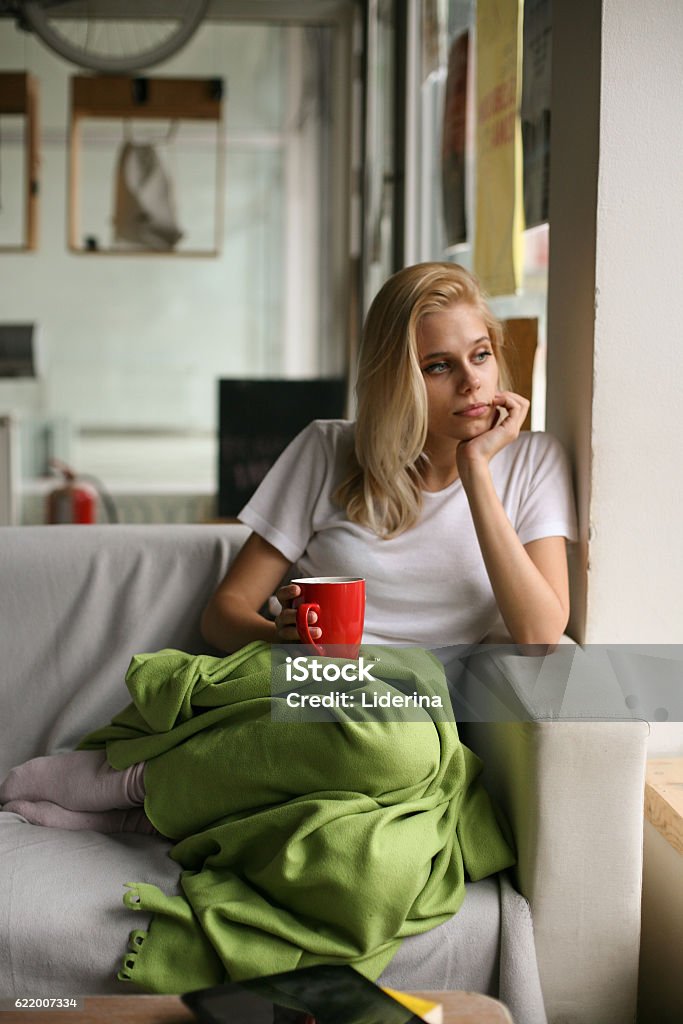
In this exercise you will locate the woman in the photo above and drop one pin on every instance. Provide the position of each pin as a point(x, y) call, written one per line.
point(452, 516)
point(455, 518)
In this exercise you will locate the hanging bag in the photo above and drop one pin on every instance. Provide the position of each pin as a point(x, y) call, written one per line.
point(144, 206)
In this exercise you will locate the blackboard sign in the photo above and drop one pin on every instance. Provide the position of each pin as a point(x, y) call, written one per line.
point(257, 420)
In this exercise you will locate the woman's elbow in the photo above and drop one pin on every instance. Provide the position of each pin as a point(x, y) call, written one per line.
point(546, 634)
point(209, 624)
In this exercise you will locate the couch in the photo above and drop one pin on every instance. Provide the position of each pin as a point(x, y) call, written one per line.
point(77, 602)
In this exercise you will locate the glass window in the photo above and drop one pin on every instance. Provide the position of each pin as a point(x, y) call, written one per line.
point(132, 346)
point(446, 170)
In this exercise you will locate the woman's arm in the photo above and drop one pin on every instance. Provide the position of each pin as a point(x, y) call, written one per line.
point(232, 617)
point(530, 582)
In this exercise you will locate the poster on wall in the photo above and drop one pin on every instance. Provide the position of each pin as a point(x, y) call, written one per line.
point(536, 82)
point(499, 221)
point(453, 143)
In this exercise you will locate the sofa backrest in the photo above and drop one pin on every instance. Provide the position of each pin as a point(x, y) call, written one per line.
point(77, 602)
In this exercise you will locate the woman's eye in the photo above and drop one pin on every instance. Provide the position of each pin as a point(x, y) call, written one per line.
point(481, 357)
point(435, 368)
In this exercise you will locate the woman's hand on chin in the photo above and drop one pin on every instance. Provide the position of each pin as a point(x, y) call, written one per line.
point(480, 450)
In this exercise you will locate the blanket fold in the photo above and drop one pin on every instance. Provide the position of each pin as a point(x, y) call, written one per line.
point(300, 842)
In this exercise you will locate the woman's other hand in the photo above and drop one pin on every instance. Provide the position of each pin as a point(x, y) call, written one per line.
point(285, 621)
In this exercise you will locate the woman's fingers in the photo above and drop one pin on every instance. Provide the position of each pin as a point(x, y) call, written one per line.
point(288, 616)
point(286, 594)
point(516, 407)
point(286, 623)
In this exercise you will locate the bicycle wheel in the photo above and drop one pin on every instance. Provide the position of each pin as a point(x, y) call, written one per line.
point(126, 36)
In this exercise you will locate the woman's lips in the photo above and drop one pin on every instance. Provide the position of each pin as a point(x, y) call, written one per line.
point(474, 410)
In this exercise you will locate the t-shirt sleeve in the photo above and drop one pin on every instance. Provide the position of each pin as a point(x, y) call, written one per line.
point(281, 509)
point(547, 508)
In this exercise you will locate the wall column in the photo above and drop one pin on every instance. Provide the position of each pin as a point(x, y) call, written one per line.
point(615, 355)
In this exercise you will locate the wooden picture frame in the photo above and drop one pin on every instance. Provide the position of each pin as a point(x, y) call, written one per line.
point(120, 97)
point(19, 96)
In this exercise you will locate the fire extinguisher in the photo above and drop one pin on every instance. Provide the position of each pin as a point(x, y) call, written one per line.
point(73, 500)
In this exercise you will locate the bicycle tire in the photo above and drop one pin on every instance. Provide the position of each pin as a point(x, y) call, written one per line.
point(39, 20)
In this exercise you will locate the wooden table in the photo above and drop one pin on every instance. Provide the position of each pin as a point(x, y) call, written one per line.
point(664, 798)
point(660, 979)
point(458, 1007)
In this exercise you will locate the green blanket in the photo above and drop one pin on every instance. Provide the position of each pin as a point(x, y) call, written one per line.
point(300, 842)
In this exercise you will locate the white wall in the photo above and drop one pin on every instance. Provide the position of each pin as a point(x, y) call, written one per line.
point(615, 355)
point(138, 341)
point(637, 543)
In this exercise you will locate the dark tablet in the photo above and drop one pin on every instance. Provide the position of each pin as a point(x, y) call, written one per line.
point(329, 994)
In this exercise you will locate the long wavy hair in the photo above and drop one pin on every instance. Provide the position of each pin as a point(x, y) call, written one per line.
point(382, 489)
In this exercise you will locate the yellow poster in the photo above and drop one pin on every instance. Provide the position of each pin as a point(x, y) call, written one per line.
point(499, 219)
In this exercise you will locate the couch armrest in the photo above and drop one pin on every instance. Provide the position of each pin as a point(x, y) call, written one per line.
point(573, 793)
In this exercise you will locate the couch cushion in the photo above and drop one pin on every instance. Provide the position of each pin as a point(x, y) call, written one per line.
point(76, 603)
point(65, 928)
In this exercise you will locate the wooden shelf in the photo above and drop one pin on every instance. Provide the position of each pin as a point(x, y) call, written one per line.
point(124, 96)
point(79, 250)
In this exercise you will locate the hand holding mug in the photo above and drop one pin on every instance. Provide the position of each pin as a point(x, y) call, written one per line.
point(285, 621)
point(337, 605)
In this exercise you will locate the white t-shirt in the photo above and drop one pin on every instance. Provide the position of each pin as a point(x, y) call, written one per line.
point(429, 585)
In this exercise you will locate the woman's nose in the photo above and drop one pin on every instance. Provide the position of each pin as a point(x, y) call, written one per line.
point(469, 381)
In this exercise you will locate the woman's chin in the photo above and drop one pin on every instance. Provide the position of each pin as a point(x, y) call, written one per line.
point(474, 428)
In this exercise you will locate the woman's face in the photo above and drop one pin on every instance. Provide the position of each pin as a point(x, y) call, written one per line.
point(460, 373)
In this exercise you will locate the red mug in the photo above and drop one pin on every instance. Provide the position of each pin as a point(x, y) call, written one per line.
point(339, 603)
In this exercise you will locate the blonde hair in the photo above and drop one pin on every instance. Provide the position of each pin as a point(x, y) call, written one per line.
point(382, 489)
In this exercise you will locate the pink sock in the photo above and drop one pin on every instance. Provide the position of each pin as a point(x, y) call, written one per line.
point(51, 815)
point(80, 780)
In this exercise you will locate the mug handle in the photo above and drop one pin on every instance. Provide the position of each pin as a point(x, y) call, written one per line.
point(302, 625)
